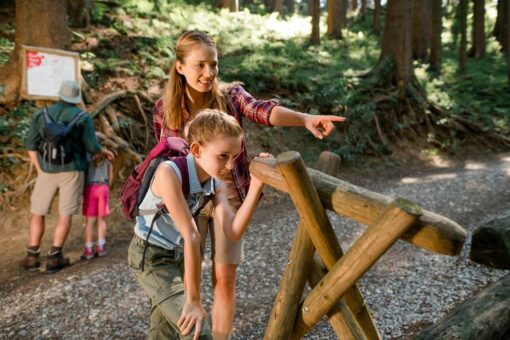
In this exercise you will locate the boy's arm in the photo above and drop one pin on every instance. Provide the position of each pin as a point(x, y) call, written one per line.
point(234, 226)
point(167, 186)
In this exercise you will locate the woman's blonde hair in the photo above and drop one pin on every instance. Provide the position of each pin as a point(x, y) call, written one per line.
point(174, 91)
point(210, 124)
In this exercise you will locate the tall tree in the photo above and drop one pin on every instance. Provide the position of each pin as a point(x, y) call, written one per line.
point(507, 31)
point(354, 5)
point(344, 5)
point(500, 28)
point(334, 24)
point(376, 21)
point(315, 38)
point(435, 36)
point(277, 6)
point(363, 9)
point(78, 12)
point(478, 48)
point(233, 5)
point(463, 35)
point(421, 29)
point(396, 49)
point(49, 30)
point(290, 4)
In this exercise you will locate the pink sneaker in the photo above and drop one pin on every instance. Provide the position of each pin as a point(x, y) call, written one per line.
point(88, 254)
point(101, 250)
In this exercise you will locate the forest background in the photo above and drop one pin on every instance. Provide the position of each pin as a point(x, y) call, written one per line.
point(420, 82)
point(415, 79)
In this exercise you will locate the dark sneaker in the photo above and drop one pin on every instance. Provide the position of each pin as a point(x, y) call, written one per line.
point(56, 261)
point(31, 263)
point(88, 254)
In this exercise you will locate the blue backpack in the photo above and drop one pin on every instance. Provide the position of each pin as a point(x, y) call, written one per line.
point(56, 147)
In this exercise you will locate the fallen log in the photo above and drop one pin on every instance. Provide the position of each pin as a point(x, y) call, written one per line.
point(484, 316)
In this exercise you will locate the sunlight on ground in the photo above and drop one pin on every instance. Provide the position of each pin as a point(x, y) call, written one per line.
point(475, 166)
point(427, 179)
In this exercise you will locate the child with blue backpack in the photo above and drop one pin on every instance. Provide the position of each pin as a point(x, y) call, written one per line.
point(165, 253)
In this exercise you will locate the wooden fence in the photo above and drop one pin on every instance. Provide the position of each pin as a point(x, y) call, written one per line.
point(332, 275)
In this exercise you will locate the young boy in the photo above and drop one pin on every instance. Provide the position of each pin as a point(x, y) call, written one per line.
point(172, 261)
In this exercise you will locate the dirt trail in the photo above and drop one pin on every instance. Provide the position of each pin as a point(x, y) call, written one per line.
point(468, 191)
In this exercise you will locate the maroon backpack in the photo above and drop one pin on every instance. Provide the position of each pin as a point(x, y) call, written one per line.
point(138, 182)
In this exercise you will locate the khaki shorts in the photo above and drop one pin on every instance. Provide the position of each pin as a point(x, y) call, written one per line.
point(162, 281)
point(70, 188)
point(223, 250)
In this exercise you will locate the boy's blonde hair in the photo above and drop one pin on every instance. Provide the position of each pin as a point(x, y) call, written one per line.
point(175, 88)
point(210, 124)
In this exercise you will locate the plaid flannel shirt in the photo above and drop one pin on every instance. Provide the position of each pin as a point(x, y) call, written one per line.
point(239, 103)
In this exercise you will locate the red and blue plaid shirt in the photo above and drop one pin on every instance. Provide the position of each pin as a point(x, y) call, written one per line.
point(239, 103)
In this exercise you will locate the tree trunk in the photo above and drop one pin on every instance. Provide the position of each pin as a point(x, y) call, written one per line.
point(421, 29)
point(78, 12)
point(49, 30)
point(315, 38)
point(463, 35)
point(344, 4)
point(435, 36)
point(507, 31)
point(334, 28)
point(501, 26)
point(478, 49)
point(277, 6)
point(363, 9)
point(376, 23)
point(233, 5)
point(396, 46)
point(290, 6)
point(354, 5)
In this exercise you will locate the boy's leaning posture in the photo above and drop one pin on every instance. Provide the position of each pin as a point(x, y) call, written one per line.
point(171, 251)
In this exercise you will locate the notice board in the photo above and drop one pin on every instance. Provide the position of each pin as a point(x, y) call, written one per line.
point(44, 70)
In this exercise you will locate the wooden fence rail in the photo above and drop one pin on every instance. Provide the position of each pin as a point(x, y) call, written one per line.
point(432, 232)
point(333, 276)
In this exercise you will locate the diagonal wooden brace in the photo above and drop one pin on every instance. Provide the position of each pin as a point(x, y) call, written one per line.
point(319, 229)
point(286, 303)
point(374, 242)
point(283, 315)
point(342, 319)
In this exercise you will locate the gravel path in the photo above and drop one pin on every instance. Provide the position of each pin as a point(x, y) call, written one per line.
point(407, 289)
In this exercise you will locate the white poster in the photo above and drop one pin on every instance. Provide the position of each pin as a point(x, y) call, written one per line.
point(46, 69)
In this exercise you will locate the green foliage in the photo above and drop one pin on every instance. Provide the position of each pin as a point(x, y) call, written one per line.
point(272, 56)
point(6, 47)
point(14, 127)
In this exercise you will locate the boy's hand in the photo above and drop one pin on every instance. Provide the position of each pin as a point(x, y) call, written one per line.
point(255, 182)
point(193, 314)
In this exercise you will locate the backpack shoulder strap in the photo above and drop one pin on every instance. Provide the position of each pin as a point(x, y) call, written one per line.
point(182, 164)
point(75, 119)
point(47, 118)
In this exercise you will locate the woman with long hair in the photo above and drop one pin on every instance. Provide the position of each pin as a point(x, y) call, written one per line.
point(193, 85)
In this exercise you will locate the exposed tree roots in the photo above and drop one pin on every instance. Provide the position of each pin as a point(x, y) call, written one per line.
point(404, 115)
point(121, 121)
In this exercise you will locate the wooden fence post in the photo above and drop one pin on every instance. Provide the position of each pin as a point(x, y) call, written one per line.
point(374, 242)
point(309, 206)
point(286, 303)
